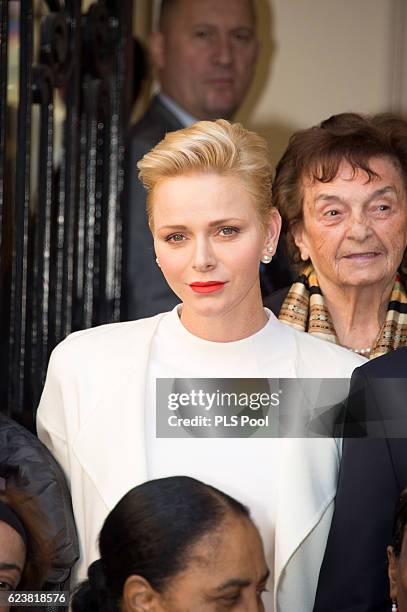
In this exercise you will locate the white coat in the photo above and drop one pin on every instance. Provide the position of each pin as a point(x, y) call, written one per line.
point(91, 417)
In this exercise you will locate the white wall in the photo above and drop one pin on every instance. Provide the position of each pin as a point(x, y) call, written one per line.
point(324, 57)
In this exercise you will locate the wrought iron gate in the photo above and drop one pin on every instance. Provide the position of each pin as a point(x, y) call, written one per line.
point(60, 222)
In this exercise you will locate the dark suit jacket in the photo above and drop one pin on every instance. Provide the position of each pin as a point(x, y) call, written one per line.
point(145, 291)
point(373, 473)
point(275, 300)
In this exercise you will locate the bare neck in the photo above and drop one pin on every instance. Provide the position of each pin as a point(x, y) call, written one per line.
point(240, 322)
point(357, 313)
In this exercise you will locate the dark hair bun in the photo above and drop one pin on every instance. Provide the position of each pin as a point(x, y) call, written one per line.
point(93, 594)
point(85, 599)
point(150, 533)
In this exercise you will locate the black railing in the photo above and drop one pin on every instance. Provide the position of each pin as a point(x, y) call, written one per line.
point(60, 221)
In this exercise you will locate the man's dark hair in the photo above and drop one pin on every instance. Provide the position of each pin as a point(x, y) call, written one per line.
point(165, 9)
point(168, 5)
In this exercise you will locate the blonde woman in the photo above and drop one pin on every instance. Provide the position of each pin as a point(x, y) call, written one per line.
point(212, 221)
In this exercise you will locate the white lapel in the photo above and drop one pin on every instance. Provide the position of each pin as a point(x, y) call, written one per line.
point(115, 428)
point(307, 487)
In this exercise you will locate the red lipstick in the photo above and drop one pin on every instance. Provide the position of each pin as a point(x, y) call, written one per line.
point(208, 287)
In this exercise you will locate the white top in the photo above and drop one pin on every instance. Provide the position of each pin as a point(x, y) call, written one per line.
point(246, 468)
point(237, 466)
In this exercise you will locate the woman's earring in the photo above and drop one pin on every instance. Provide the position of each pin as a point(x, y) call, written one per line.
point(268, 256)
point(394, 607)
point(157, 262)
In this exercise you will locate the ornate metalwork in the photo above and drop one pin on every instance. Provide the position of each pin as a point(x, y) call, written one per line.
point(60, 236)
point(5, 210)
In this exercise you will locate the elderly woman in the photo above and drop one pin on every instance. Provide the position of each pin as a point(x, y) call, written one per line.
point(209, 206)
point(171, 541)
point(341, 190)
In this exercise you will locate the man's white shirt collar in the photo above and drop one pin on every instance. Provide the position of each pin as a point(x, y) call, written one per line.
point(185, 118)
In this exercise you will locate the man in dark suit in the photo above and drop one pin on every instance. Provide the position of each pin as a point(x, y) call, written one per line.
point(204, 52)
point(373, 473)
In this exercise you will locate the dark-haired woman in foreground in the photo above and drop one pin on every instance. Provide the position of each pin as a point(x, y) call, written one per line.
point(174, 544)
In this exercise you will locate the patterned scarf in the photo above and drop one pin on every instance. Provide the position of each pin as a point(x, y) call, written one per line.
point(304, 308)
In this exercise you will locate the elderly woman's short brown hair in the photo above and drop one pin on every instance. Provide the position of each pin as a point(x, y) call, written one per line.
point(315, 154)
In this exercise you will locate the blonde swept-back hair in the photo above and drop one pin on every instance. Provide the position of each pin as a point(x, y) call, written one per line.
point(225, 148)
